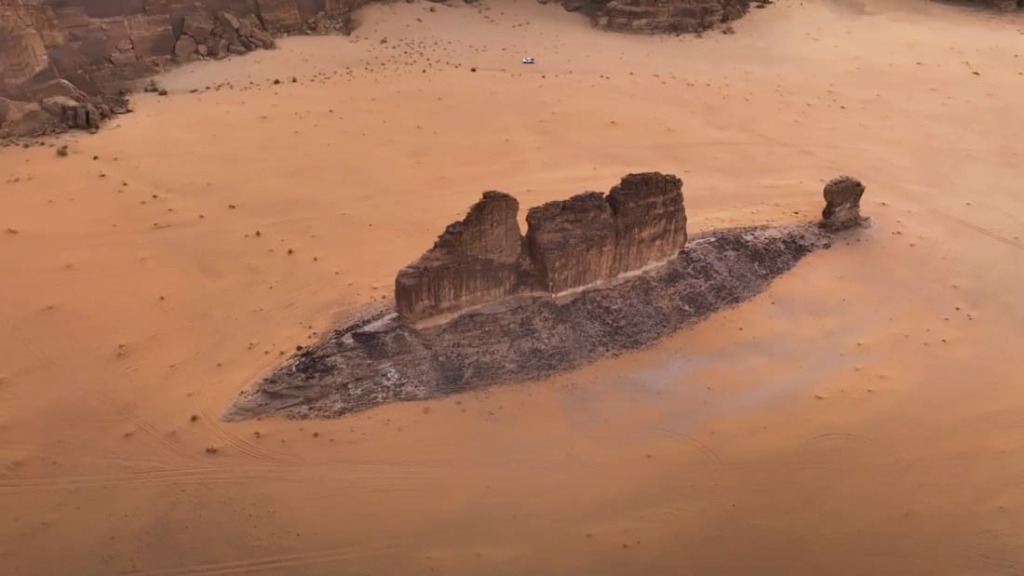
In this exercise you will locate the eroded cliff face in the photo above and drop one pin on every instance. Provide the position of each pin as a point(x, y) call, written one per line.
point(84, 51)
point(569, 244)
point(476, 260)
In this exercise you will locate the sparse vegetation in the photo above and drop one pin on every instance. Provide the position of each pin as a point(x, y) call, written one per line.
point(62, 151)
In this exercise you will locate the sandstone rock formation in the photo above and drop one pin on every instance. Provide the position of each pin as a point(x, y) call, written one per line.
point(1005, 5)
point(99, 45)
point(380, 358)
point(842, 203)
point(569, 244)
point(572, 242)
point(661, 16)
point(476, 260)
point(535, 323)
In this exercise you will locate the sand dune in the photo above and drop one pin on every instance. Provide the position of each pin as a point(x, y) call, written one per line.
point(864, 416)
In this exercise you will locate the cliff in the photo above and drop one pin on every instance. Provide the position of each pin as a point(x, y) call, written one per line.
point(85, 51)
point(569, 244)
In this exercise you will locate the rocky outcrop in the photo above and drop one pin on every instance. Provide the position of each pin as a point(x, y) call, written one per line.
point(572, 242)
point(569, 244)
point(650, 220)
point(97, 46)
point(476, 260)
point(842, 203)
point(661, 16)
point(100, 45)
point(381, 357)
point(1005, 5)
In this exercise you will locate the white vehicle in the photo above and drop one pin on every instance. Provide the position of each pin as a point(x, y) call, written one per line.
point(528, 60)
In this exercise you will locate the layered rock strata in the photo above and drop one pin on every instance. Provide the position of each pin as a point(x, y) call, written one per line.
point(476, 260)
point(382, 357)
point(569, 244)
point(97, 46)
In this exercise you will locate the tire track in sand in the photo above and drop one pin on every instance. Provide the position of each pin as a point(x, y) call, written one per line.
point(279, 564)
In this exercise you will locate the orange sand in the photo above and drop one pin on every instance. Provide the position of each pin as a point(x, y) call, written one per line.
point(865, 416)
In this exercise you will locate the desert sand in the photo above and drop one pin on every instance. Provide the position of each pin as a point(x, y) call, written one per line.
point(863, 416)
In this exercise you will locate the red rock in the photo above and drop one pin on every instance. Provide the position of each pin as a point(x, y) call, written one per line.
point(185, 48)
point(280, 15)
point(842, 203)
point(475, 260)
point(650, 219)
point(572, 242)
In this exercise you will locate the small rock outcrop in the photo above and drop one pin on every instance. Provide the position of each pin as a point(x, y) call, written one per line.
point(569, 244)
point(842, 203)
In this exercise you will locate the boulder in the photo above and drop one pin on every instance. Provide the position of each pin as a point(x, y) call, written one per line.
point(198, 24)
point(123, 54)
point(151, 35)
point(56, 105)
point(185, 48)
point(28, 119)
point(280, 15)
point(58, 87)
point(229, 20)
point(262, 38)
point(842, 203)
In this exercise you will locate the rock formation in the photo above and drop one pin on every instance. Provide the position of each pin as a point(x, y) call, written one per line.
point(842, 203)
point(569, 244)
point(1005, 5)
point(522, 333)
point(476, 260)
point(661, 16)
point(98, 46)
